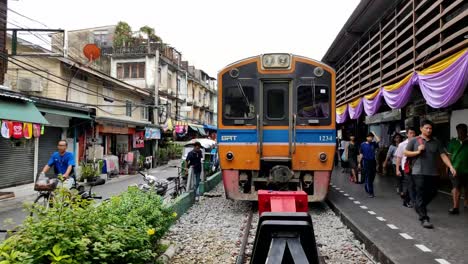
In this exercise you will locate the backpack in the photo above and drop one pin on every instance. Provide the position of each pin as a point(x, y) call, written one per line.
point(409, 161)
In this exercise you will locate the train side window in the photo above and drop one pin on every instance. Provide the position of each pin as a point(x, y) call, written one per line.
point(313, 101)
point(276, 104)
point(239, 102)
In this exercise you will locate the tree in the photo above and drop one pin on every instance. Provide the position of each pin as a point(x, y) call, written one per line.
point(122, 34)
point(150, 35)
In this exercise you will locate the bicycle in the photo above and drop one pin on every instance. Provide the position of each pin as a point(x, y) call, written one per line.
point(45, 197)
point(179, 184)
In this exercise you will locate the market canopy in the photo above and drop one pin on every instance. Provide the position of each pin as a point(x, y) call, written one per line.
point(64, 112)
point(441, 85)
point(23, 111)
point(210, 127)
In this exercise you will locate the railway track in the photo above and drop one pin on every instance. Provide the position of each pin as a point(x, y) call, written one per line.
point(216, 230)
point(320, 214)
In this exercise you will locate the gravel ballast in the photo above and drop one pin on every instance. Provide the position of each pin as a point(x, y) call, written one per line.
point(211, 232)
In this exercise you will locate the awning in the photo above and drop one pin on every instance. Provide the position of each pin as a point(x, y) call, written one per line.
point(210, 127)
point(22, 111)
point(198, 128)
point(202, 131)
point(64, 112)
point(115, 120)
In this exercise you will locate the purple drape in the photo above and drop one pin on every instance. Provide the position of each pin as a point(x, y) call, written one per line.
point(340, 119)
point(400, 97)
point(355, 113)
point(447, 86)
point(371, 106)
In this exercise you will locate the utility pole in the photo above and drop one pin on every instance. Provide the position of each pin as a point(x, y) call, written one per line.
point(156, 104)
point(3, 52)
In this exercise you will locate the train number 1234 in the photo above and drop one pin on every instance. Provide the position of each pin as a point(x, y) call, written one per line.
point(325, 138)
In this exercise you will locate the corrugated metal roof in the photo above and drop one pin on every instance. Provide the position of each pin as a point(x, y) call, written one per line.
point(366, 14)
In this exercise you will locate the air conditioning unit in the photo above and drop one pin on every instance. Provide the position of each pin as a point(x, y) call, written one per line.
point(29, 84)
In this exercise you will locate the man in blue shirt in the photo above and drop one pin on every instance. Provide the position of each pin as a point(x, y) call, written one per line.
point(367, 156)
point(62, 161)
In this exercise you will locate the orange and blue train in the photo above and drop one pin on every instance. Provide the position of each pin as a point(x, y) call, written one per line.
point(276, 126)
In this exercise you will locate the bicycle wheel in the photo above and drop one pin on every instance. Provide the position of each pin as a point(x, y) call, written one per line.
point(181, 190)
point(43, 200)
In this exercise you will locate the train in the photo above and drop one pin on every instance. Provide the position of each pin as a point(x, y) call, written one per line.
point(276, 126)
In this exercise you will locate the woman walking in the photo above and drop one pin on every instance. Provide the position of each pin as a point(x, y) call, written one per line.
point(353, 152)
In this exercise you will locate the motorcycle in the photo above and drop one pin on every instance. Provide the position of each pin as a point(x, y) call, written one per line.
point(151, 182)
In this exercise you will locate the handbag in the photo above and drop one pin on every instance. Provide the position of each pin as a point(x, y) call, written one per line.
point(344, 156)
point(409, 161)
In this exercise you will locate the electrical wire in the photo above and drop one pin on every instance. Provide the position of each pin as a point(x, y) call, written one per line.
point(90, 92)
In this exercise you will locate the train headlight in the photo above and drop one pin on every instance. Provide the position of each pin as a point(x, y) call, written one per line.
point(229, 156)
point(272, 61)
point(323, 157)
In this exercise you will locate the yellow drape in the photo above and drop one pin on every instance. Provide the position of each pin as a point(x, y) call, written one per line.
point(397, 85)
point(443, 64)
point(372, 95)
point(341, 109)
point(355, 103)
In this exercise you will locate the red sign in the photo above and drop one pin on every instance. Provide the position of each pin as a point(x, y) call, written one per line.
point(17, 130)
point(139, 139)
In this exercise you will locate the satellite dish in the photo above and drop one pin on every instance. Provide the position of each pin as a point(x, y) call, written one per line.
point(92, 52)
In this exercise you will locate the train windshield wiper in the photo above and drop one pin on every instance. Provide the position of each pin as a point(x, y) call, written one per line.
point(246, 100)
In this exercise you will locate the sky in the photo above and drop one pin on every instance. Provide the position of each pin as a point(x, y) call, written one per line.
point(210, 33)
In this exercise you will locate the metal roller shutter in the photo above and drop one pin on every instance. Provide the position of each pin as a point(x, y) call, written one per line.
point(16, 162)
point(47, 146)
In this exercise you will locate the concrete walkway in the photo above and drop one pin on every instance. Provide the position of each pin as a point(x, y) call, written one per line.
point(393, 232)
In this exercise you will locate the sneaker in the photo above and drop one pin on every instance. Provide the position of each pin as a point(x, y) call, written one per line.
point(409, 205)
point(454, 211)
point(371, 196)
point(427, 224)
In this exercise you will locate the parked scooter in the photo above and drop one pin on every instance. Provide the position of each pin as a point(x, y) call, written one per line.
point(151, 182)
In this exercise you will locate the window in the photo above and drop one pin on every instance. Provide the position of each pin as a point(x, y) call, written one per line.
point(313, 101)
point(276, 104)
point(128, 108)
point(239, 102)
point(144, 113)
point(132, 70)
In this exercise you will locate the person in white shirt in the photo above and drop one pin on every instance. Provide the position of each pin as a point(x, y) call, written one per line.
point(405, 188)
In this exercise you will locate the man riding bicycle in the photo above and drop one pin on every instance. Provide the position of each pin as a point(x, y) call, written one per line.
point(63, 163)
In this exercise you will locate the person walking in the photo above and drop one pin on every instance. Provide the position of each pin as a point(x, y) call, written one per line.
point(406, 193)
point(392, 158)
point(458, 151)
point(424, 151)
point(367, 156)
point(353, 152)
point(193, 160)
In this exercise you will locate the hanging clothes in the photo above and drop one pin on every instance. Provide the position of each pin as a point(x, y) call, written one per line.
point(27, 130)
point(7, 129)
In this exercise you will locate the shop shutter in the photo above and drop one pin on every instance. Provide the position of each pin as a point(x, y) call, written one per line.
point(47, 146)
point(16, 162)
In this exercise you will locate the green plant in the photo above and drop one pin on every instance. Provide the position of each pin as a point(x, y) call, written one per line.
point(122, 34)
point(88, 170)
point(123, 230)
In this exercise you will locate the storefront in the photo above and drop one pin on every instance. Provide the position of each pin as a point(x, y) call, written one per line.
point(21, 128)
point(63, 124)
point(119, 138)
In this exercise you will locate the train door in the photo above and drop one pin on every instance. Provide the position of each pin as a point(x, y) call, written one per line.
point(275, 120)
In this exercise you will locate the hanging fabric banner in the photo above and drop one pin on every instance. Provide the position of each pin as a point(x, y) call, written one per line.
point(355, 108)
point(441, 89)
point(372, 102)
point(341, 114)
point(397, 95)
